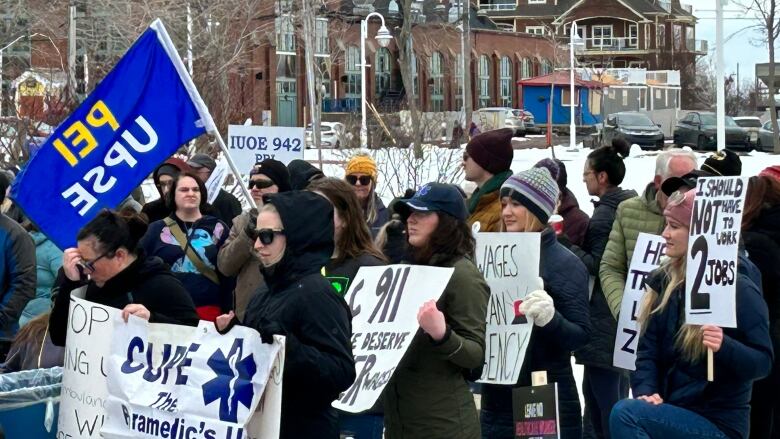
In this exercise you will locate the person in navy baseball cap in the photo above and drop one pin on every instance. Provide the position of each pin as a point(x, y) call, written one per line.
point(434, 197)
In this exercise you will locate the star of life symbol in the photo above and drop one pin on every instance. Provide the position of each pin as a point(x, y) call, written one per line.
point(233, 383)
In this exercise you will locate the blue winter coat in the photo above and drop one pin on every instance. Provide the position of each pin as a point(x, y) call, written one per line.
point(48, 260)
point(566, 281)
point(17, 274)
point(744, 356)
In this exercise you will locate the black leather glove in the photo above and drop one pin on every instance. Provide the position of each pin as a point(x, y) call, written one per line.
point(251, 225)
point(268, 329)
point(396, 245)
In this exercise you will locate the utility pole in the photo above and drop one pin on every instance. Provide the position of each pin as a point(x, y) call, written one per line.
point(307, 16)
point(467, 107)
point(721, 86)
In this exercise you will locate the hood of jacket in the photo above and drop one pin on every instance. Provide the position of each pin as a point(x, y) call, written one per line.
point(768, 223)
point(615, 197)
point(302, 173)
point(648, 199)
point(38, 238)
point(307, 219)
point(568, 201)
point(134, 274)
point(179, 164)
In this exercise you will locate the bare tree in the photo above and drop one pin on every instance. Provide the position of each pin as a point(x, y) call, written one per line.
point(405, 55)
point(767, 18)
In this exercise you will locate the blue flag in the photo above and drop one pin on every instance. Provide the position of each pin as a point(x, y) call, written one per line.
point(137, 117)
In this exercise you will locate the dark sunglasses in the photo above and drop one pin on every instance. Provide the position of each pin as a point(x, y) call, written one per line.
point(364, 180)
point(90, 265)
point(266, 236)
point(260, 184)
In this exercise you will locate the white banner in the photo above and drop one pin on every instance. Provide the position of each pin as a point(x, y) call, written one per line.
point(384, 303)
point(647, 257)
point(217, 178)
point(250, 144)
point(170, 381)
point(711, 275)
point(510, 264)
point(89, 338)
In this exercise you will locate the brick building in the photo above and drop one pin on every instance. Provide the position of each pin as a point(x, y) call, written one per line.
point(654, 34)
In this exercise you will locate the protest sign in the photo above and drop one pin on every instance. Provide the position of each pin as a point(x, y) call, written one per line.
point(217, 179)
point(535, 412)
point(510, 264)
point(84, 394)
point(266, 423)
point(384, 302)
point(166, 381)
point(250, 144)
point(113, 140)
point(646, 257)
point(711, 275)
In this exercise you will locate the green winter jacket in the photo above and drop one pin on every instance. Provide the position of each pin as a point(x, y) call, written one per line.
point(428, 396)
point(634, 216)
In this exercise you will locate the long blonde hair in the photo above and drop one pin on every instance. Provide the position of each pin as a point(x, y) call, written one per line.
point(688, 340)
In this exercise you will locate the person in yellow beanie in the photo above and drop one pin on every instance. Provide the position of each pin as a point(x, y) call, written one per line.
point(361, 174)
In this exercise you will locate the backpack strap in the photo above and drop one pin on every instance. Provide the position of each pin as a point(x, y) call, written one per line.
point(190, 252)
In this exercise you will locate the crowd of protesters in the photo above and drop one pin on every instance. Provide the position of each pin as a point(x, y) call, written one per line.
point(284, 267)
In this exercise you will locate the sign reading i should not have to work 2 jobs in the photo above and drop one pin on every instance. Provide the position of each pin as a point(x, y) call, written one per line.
point(711, 275)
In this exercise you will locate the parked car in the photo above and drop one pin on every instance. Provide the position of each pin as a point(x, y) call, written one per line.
point(698, 129)
point(529, 121)
point(752, 124)
point(491, 118)
point(765, 136)
point(332, 135)
point(634, 127)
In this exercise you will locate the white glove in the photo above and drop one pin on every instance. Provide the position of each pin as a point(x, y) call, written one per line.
point(538, 306)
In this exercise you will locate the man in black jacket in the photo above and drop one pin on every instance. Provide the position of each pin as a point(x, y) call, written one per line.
point(226, 206)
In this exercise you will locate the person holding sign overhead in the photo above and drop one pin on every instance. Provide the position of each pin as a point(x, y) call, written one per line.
point(294, 240)
point(117, 273)
point(189, 242)
point(428, 396)
point(559, 312)
point(673, 397)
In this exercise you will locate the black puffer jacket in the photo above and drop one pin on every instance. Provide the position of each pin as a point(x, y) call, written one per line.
point(566, 281)
point(147, 281)
point(598, 352)
point(296, 297)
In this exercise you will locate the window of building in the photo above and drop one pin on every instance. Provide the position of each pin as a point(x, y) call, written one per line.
point(566, 97)
point(285, 35)
point(458, 69)
point(536, 30)
point(647, 36)
point(382, 72)
point(353, 72)
point(602, 35)
point(506, 82)
point(545, 67)
point(436, 73)
point(660, 36)
point(633, 36)
point(415, 76)
point(525, 69)
point(636, 64)
point(537, 2)
point(321, 43)
point(690, 39)
point(677, 37)
point(484, 81)
point(625, 97)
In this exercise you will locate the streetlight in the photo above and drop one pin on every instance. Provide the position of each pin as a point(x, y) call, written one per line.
point(574, 40)
point(383, 38)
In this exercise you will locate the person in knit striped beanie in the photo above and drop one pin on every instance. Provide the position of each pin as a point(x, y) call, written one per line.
point(535, 189)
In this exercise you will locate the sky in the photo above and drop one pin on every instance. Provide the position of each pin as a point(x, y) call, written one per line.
point(740, 49)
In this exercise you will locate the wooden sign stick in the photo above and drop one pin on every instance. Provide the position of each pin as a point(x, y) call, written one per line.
point(710, 366)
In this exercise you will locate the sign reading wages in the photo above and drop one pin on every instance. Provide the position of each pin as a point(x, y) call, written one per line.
point(510, 264)
point(647, 256)
point(384, 303)
point(710, 281)
point(251, 144)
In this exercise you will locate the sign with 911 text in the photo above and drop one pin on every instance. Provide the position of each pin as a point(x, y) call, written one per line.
point(249, 144)
point(711, 275)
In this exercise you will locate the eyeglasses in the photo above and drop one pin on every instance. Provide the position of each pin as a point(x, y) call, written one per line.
point(260, 184)
point(676, 199)
point(266, 236)
point(364, 180)
point(90, 265)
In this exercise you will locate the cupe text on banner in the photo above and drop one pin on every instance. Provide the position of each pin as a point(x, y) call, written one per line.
point(510, 264)
point(711, 275)
point(138, 116)
point(384, 302)
point(647, 257)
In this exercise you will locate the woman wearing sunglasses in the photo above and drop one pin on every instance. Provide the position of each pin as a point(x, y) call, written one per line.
point(188, 241)
point(237, 257)
point(294, 240)
point(673, 397)
point(361, 174)
point(428, 396)
point(559, 311)
point(117, 273)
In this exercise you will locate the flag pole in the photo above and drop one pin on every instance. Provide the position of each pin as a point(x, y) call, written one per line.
point(203, 111)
